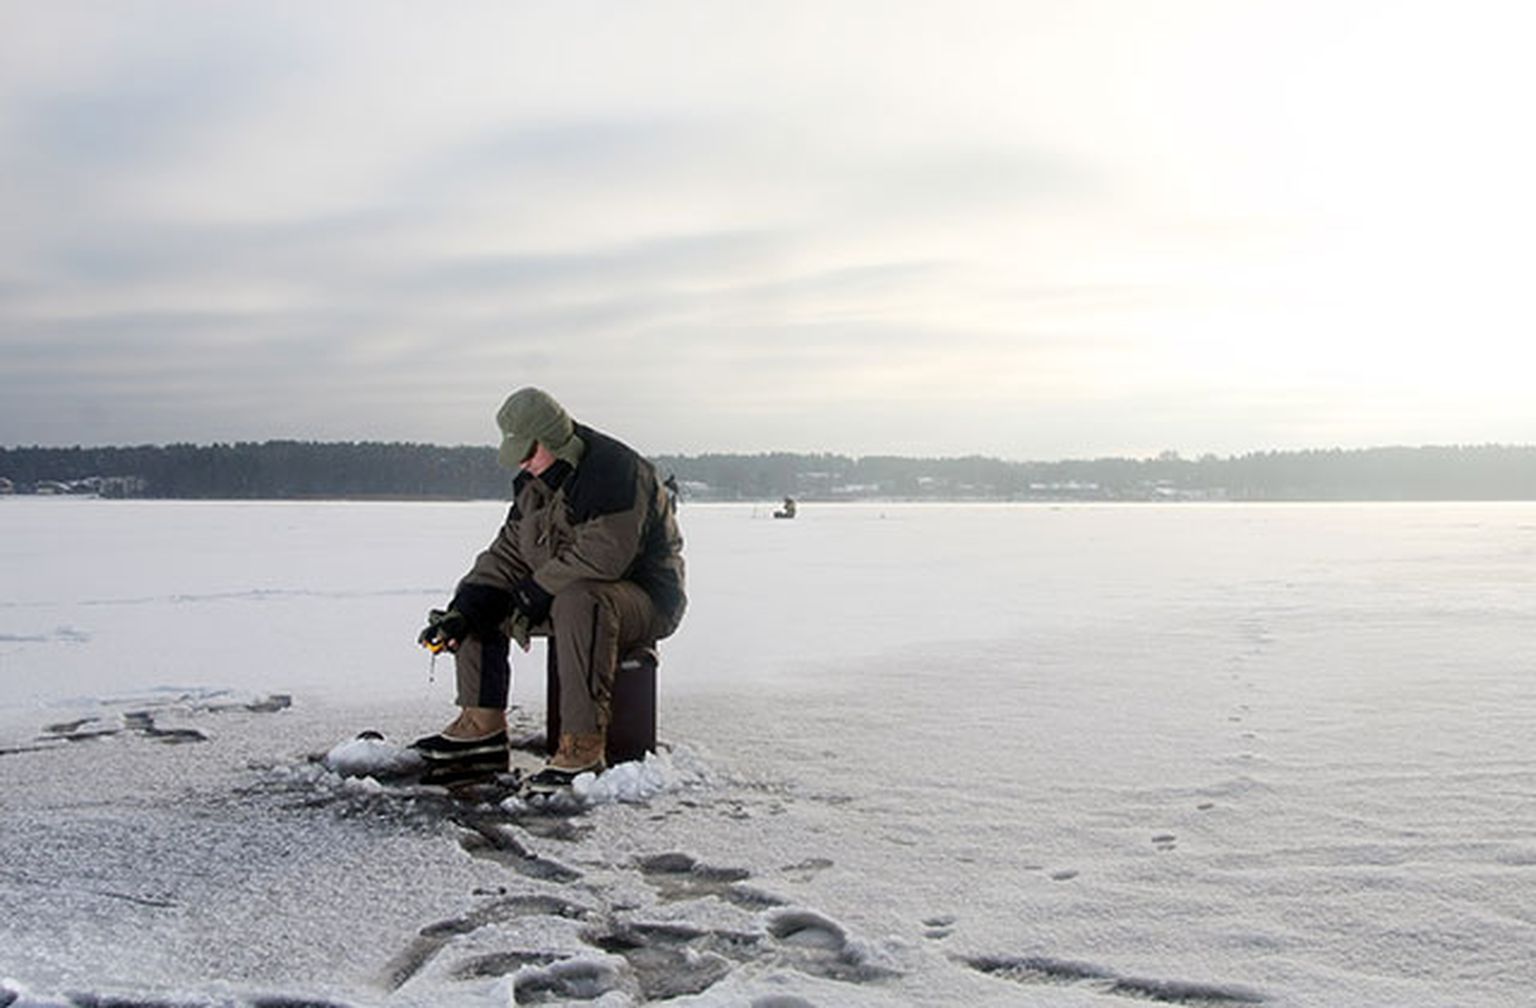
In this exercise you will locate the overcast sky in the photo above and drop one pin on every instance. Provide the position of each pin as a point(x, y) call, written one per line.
point(1027, 229)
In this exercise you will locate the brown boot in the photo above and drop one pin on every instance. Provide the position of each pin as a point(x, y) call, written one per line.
point(475, 730)
point(580, 753)
point(577, 754)
point(477, 722)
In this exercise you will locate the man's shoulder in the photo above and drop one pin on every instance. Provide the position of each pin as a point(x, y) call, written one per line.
point(608, 477)
point(604, 448)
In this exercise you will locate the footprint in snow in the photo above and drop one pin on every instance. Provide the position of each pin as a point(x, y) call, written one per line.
point(676, 959)
point(495, 841)
point(818, 945)
point(804, 871)
point(676, 877)
point(1047, 971)
point(572, 980)
point(433, 938)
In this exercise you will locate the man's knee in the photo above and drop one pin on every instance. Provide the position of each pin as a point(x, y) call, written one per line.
point(577, 602)
point(618, 608)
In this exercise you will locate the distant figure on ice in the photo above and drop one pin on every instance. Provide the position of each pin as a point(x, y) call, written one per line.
point(590, 556)
point(788, 510)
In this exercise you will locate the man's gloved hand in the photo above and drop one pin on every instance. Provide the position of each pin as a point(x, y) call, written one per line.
point(445, 630)
point(520, 628)
point(531, 601)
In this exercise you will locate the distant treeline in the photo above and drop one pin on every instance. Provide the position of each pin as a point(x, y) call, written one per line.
point(269, 469)
point(301, 469)
point(1484, 472)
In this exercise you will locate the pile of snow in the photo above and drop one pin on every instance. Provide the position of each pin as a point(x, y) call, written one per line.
point(370, 756)
point(640, 780)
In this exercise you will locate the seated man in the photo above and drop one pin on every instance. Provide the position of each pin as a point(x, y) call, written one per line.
point(590, 555)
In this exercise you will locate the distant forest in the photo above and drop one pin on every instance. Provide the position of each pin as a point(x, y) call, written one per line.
point(301, 469)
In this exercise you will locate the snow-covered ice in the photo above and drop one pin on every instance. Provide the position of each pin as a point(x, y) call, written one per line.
point(913, 754)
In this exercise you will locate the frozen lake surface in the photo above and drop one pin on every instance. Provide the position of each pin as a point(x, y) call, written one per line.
point(1011, 755)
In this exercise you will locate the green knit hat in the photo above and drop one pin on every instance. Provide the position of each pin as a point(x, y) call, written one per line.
point(530, 415)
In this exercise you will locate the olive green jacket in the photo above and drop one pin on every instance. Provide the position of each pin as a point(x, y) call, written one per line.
point(606, 518)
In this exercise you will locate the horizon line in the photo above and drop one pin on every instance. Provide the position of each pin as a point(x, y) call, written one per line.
point(1167, 455)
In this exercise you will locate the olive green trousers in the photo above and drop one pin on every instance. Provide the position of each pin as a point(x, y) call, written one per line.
point(592, 624)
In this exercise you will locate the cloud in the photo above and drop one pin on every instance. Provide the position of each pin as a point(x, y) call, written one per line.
point(887, 226)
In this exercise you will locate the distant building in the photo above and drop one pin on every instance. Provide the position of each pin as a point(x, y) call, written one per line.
point(116, 486)
point(6, 486)
point(1066, 490)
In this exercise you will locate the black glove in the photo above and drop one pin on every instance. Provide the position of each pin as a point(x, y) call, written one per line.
point(483, 606)
point(445, 629)
point(531, 600)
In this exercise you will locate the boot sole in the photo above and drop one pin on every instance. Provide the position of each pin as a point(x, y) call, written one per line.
point(439, 747)
point(550, 779)
point(464, 771)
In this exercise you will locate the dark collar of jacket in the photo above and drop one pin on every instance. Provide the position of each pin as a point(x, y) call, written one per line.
point(553, 477)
